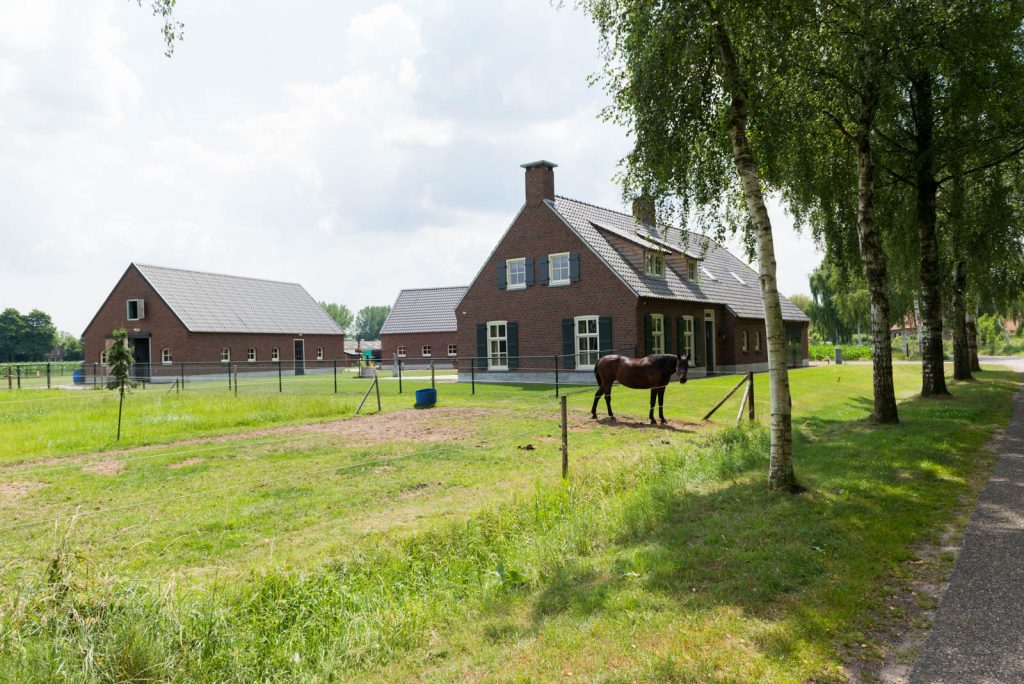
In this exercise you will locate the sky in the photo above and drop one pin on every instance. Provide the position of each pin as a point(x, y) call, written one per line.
point(354, 147)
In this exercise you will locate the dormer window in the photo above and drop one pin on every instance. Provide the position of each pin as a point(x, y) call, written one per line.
point(136, 309)
point(654, 264)
point(691, 269)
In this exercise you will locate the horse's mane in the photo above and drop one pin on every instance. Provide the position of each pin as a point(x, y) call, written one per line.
point(661, 360)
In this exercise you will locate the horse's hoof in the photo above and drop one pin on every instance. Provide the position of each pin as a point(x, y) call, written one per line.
point(611, 419)
point(594, 416)
point(653, 422)
point(664, 422)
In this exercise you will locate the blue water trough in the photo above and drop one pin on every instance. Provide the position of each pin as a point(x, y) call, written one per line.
point(425, 398)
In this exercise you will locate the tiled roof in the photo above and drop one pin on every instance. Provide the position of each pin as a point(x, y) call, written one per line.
point(212, 302)
point(429, 309)
point(723, 278)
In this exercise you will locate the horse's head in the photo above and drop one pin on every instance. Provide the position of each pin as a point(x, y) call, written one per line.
point(682, 367)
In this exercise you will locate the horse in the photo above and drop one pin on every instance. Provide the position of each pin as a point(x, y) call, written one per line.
point(652, 372)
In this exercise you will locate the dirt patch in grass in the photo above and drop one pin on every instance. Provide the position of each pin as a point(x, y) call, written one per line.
point(435, 425)
point(186, 463)
point(14, 489)
point(584, 423)
point(104, 468)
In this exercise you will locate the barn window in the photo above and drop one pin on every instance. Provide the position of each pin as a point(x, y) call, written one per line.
point(687, 337)
point(657, 334)
point(743, 339)
point(497, 345)
point(165, 356)
point(654, 264)
point(559, 269)
point(225, 354)
point(401, 350)
point(136, 309)
point(587, 342)
point(275, 354)
point(426, 350)
point(252, 354)
point(103, 358)
point(319, 353)
point(516, 269)
point(451, 350)
point(757, 340)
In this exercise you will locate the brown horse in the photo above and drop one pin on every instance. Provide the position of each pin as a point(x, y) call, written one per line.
point(652, 372)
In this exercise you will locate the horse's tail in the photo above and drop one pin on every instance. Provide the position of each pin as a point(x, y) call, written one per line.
point(597, 375)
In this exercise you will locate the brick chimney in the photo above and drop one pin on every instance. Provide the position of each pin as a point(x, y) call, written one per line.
point(644, 210)
point(540, 181)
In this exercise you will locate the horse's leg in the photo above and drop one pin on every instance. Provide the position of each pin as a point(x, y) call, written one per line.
point(654, 394)
point(661, 405)
point(597, 397)
point(608, 401)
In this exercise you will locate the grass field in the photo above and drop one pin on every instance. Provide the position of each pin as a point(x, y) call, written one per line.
point(273, 536)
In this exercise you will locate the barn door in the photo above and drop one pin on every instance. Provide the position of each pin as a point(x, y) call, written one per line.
point(300, 357)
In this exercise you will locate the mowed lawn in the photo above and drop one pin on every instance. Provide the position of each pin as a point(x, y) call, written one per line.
point(274, 536)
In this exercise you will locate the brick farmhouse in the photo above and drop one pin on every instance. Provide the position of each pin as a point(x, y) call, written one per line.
point(211, 322)
point(575, 281)
point(421, 327)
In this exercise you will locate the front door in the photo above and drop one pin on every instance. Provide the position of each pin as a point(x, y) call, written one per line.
point(300, 357)
point(709, 339)
point(140, 352)
point(794, 348)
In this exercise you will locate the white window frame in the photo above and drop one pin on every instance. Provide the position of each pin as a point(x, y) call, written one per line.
point(275, 354)
point(251, 354)
point(166, 358)
point(452, 350)
point(103, 357)
point(594, 353)
point(400, 351)
point(654, 263)
point(745, 339)
point(688, 342)
point(552, 280)
point(757, 340)
point(426, 351)
point(509, 285)
point(225, 354)
point(319, 353)
point(495, 338)
point(657, 334)
point(691, 270)
point(140, 309)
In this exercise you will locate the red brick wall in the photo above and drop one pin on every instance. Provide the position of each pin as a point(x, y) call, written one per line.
point(168, 332)
point(413, 343)
point(539, 310)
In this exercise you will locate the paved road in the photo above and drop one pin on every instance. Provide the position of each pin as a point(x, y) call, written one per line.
point(978, 634)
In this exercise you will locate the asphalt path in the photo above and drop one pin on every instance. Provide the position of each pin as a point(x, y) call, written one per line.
point(978, 635)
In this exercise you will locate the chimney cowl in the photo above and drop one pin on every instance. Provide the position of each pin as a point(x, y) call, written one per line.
point(540, 181)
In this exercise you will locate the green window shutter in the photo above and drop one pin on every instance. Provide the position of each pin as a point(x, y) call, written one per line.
point(574, 267)
point(604, 335)
point(501, 275)
point(568, 359)
point(680, 329)
point(512, 330)
point(542, 264)
point(698, 341)
point(666, 324)
point(529, 272)
point(648, 336)
point(481, 345)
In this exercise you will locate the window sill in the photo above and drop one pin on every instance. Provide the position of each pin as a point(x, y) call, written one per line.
point(452, 356)
point(251, 361)
point(497, 368)
point(559, 283)
point(166, 363)
point(513, 288)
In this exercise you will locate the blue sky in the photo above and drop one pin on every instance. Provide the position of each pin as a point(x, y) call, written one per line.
point(355, 147)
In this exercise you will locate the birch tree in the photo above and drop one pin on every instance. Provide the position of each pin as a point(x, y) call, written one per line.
point(693, 82)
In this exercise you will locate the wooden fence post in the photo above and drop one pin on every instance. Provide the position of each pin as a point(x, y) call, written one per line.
point(376, 384)
point(565, 439)
point(47, 375)
point(432, 386)
point(335, 376)
point(236, 379)
point(750, 391)
point(726, 397)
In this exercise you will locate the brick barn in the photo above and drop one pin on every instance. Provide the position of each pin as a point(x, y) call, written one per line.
point(421, 327)
point(211, 322)
point(579, 281)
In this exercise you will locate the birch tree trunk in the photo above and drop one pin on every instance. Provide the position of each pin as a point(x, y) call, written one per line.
point(873, 257)
point(961, 352)
point(780, 468)
point(933, 380)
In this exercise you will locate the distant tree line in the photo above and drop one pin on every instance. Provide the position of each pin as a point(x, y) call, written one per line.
point(365, 325)
point(32, 336)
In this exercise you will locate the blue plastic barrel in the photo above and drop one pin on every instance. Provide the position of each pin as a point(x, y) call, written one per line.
point(78, 376)
point(426, 398)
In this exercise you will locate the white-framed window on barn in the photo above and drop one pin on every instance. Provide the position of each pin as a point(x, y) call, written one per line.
point(401, 350)
point(516, 270)
point(225, 354)
point(657, 334)
point(103, 358)
point(757, 340)
point(744, 340)
point(497, 345)
point(587, 341)
point(252, 354)
point(654, 263)
point(452, 350)
point(319, 353)
point(558, 269)
point(136, 309)
point(425, 350)
point(275, 354)
point(686, 339)
point(165, 356)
